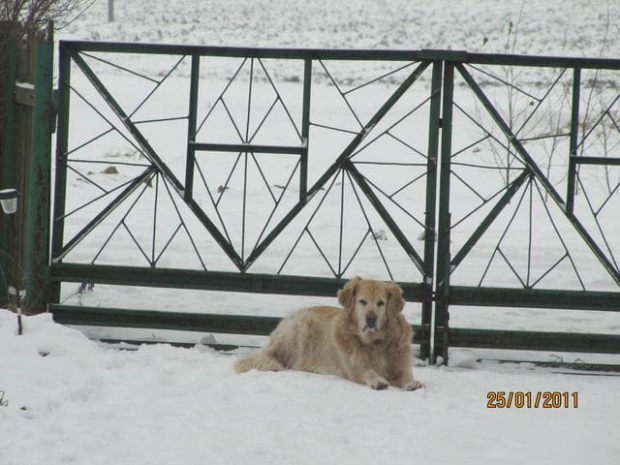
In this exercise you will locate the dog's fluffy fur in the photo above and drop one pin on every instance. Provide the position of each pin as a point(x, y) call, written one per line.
point(367, 341)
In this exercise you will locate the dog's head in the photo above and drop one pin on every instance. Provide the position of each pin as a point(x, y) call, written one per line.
point(371, 303)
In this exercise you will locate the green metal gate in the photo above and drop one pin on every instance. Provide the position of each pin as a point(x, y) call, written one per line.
point(302, 168)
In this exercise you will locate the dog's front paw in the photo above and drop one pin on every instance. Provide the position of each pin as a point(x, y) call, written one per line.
point(378, 384)
point(413, 386)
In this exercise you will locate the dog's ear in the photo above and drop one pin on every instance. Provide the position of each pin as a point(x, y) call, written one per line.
point(346, 295)
point(396, 303)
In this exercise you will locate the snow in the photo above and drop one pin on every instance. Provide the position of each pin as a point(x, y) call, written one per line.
point(73, 400)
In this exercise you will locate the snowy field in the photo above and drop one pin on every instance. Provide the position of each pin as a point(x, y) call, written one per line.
point(66, 399)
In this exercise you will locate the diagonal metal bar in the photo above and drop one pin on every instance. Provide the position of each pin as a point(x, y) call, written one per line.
point(106, 119)
point(409, 146)
point(168, 242)
point(598, 223)
point(505, 128)
point(93, 200)
point(540, 102)
point(277, 204)
point(370, 229)
point(341, 229)
point(466, 148)
point(157, 86)
point(86, 178)
point(383, 76)
point(539, 175)
point(557, 232)
point(279, 97)
point(561, 239)
point(358, 248)
point(505, 82)
point(342, 94)
point(155, 210)
point(598, 121)
point(410, 183)
point(470, 188)
point(357, 140)
point(263, 177)
point(396, 204)
point(332, 128)
point(152, 156)
point(90, 141)
point(102, 215)
point(135, 241)
point(488, 134)
point(292, 214)
point(160, 120)
point(263, 120)
point(149, 152)
point(512, 268)
point(178, 212)
point(221, 96)
point(393, 125)
point(553, 267)
point(482, 204)
point(376, 118)
point(122, 68)
point(213, 202)
point(122, 223)
point(385, 216)
point(506, 229)
point(529, 236)
point(230, 175)
point(318, 247)
point(609, 197)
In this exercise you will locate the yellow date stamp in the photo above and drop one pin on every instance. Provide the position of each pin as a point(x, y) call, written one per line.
point(530, 399)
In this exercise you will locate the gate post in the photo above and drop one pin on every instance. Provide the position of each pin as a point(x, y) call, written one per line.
point(8, 71)
point(442, 314)
point(431, 201)
point(38, 219)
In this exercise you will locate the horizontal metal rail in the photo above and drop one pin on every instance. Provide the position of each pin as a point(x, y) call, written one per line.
point(145, 319)
point(348, 54)
point(211, 280)
point(531, 340)
point(251, 148)
point(535, 298)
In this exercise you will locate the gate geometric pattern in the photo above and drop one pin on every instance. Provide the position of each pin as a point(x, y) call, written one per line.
point(303, 168)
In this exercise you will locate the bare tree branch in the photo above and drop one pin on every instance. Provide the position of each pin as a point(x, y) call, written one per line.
point(34, 15)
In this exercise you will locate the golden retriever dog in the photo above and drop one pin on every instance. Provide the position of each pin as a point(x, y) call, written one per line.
point(368, 341)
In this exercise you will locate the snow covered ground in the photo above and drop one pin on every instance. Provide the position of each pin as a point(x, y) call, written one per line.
point(71, 400)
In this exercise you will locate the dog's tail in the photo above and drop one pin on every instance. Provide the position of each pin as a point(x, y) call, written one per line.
point(258, 360)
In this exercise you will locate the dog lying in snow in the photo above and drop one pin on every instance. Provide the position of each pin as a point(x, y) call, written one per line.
point(368, 341)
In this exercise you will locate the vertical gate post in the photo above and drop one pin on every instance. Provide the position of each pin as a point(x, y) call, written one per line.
point(305, 131)
point(574, 140)
point(38, 221)
point(8, 61)
point(442, 314)
point(191, 127)
point(431, 200)
point(62, 143)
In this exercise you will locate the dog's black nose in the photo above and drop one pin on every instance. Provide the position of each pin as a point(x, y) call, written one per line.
point(371, 320)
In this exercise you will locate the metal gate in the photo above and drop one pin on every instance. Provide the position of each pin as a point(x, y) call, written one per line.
point(286, 171)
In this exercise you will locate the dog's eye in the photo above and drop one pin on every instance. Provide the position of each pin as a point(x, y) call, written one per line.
point(381, 303)
point(362, 301)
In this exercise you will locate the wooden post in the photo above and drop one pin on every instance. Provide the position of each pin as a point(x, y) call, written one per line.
point(39, 184)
